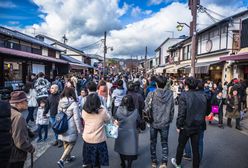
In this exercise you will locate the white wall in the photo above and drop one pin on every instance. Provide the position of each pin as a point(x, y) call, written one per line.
point(44, 51)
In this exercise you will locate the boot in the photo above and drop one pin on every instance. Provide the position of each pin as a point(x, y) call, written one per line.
point(238, 127)
point(60, 144)
point(229, 121)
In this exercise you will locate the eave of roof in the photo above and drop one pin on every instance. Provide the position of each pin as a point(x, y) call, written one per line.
point(24, 37)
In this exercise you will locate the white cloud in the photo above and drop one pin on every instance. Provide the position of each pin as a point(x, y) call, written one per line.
point(7, 4)
point(84, 22)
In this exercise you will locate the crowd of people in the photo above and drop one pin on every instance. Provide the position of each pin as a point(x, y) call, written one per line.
point(126, 101)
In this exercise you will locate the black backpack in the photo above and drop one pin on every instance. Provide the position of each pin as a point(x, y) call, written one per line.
point(60, 125)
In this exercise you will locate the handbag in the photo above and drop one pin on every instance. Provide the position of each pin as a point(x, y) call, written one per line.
point(111, 130)
point(147, 113)
point(215, 109)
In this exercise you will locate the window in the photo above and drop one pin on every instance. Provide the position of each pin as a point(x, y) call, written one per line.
point(189, 52)
point(185, 53)
point(12, 71)
point(26, 48)
point(1, 43)
point(224, 30)
point(51, 53)
point(244, 34)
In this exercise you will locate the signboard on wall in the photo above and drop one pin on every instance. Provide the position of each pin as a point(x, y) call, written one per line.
point(36, 68)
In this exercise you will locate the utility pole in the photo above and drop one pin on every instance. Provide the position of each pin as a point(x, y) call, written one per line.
point(145, 64)
point(104, 52)
point(193, 7)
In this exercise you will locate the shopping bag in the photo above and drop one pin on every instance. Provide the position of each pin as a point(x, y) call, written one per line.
point(210, 117)
point(111, 130)
point(215, 109)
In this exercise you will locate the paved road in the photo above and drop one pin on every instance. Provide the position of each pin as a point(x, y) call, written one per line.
point(224, 148)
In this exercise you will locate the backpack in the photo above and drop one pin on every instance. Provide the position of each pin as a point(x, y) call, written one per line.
point(60, 125)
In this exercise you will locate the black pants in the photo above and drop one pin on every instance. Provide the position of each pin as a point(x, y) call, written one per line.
point(30, 114)
point(182, 140)
point(16, 165)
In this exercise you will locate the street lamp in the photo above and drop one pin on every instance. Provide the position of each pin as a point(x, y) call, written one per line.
point(181, 25)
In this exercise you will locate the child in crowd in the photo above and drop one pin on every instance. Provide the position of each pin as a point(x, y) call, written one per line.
point(42, 121)
point(82, 99)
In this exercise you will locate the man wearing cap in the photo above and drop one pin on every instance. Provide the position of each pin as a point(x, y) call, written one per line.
point(21, 143)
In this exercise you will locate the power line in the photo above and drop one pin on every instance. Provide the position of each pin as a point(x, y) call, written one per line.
point(91, 44)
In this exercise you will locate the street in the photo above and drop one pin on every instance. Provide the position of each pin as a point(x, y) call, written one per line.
point(223, 148)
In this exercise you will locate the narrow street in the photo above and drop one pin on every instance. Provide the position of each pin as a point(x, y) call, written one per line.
point(223, 148)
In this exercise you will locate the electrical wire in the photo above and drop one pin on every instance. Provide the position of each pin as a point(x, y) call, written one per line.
point(91, 44)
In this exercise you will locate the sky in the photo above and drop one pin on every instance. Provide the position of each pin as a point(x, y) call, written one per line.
point(131, 25)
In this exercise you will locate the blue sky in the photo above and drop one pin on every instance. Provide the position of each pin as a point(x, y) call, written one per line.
point(131, 24)
point(25, 12)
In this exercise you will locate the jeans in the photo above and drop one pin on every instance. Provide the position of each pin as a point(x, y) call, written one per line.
point(187, 149)
point(164, 132)
point(30, 114)
point(182, 140)
point(52, 121)
point(40, 128)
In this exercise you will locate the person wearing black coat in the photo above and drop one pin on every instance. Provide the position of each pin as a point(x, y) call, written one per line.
point(190, 121)
point(217, 100)
point(52, 106)
point(5, 134)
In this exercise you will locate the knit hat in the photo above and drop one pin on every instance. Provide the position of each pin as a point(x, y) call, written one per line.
point(17, 97)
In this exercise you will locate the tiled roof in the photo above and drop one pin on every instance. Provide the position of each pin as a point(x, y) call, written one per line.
point(24, 37)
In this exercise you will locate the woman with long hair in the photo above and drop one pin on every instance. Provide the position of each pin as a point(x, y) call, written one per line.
point(32, 102)
point(126, 144)
point(95, 151)
point(68, 104)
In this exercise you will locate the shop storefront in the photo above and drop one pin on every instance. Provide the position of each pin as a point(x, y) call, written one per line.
point(16, 66)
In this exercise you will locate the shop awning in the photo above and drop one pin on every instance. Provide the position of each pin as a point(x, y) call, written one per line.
point(79, 66)
point(237, 57)
point(28, 55)
point(171, 70)
point(74, 63)
point(160, 70)
point(201, 67)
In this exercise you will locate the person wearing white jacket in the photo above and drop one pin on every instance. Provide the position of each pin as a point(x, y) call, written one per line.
point(68, 104)
point(32, 102)
point(42, 121)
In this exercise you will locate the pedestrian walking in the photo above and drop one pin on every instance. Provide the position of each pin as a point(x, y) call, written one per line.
point(117, 95)
point(5, 133)
point(162, 107)
point(42, 121)
point(92, 89)
point(52, 108)
point(68, 104)
point(21, 142)
point(217, 103)
point(32, 102)
point(190, 120)
point(232, 109)
point(126, 144)
point(102, 89)
point(95, 151)
point(82, 99)
point(41, 86)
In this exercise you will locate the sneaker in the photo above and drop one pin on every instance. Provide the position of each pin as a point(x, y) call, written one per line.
point(71, 159)
point(39, 140)
point(154, 165)
point(163, 165)
point(221, 126)
point(174, 163)
point(186, 157)
point(60, 163)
